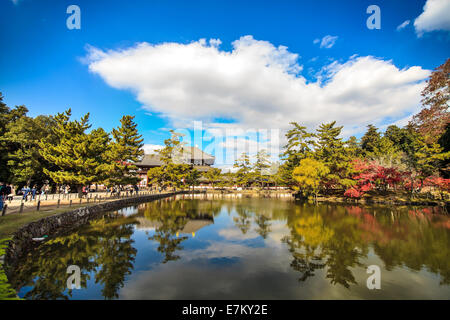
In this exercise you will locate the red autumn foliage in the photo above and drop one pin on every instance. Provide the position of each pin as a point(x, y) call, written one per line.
point(352, 193)
point(438, 182)
point(370, 175)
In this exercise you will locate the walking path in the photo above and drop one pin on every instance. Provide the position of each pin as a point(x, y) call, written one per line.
point(49, 202)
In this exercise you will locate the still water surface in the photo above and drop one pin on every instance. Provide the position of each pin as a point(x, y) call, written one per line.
point(246, 248)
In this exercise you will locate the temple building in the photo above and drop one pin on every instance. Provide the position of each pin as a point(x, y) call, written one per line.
point(200, 160)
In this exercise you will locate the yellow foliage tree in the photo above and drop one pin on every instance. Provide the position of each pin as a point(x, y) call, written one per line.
point(309, 175)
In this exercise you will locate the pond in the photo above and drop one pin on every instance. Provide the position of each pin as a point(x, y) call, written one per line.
point(196, 247)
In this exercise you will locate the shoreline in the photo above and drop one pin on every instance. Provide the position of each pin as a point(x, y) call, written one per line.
point(368, 200)
point(386, 201)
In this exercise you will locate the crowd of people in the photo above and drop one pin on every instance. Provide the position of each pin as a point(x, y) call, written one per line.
point(30, 193)
point(130, 189)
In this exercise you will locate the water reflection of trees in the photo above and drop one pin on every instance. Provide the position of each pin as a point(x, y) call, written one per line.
point(263, 225)
point(416, 239)
point(171, 217)
point(339, 238)
point(315, 245)
point(243, 219)
point(329, 239)
point(102, 248)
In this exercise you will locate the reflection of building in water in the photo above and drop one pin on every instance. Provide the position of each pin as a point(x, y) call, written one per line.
point(191, 226)
point(128, 211)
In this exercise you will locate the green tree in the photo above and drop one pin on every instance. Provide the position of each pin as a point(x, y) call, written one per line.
point(299, 146)
point(352, 147)
point(395, 134)
point(125, 149)
point(174, 172)
point(444, 142)
point(227, 179)
point(173, 149)
point(244, 174)
point(428, 157)
point(213, 175)
point(422, 159)
point(261, 167)
point(8, 117)
point(386, 153)
point(371, 140)
point(78, 156)
point(156, 176)
point(331, 151)
point(25, 161)
point(192, 177)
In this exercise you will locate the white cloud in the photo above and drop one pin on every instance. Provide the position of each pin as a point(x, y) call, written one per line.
point(151, 148)
point(403, 25)
point(258, 85)
point(327, 41)
point(435, 16)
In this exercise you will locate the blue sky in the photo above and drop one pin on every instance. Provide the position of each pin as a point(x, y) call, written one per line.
point(47, 67)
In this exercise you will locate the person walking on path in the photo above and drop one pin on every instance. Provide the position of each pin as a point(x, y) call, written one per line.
point(85, 191)
point(33, 193)
point(8, 193)
point(2, 195)
point(25, 190)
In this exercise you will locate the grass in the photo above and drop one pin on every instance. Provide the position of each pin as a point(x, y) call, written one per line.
point(12, 222)
point(6, 291)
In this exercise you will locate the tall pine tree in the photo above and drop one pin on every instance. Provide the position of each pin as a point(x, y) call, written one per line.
point(371, 140)
point(125, 149)
point(332, 152)
point(244, 174)
point(261, 167)
point(299, 146)
point(75, 155)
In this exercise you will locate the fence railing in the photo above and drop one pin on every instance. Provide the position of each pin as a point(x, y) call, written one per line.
point(46, 202)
